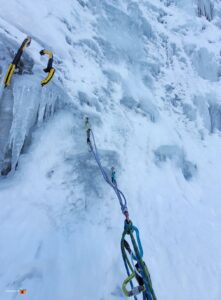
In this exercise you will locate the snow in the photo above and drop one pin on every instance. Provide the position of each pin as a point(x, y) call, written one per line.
point(147, 73)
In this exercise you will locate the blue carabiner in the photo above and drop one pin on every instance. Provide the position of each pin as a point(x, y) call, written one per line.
point(139, 243)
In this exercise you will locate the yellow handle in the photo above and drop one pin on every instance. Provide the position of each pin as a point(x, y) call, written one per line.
point(49, 77)
point(9, 74)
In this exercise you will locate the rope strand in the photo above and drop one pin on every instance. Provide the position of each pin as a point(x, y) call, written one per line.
point(119, 193)
point(145, 286)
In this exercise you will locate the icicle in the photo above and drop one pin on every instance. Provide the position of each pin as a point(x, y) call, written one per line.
point(205, 8)
point(24, 107)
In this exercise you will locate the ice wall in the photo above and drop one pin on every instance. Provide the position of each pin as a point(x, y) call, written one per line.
point(28, 106)
point(147, 75)
point(205, 8)
point(138, 64)
point(23, 105)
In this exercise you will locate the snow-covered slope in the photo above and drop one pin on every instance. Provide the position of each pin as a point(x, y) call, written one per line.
point(147, 73)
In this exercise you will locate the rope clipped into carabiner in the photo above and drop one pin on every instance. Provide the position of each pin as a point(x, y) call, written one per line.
point(137, 271)
point(93, 147)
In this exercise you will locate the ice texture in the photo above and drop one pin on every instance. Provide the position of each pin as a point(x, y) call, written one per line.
point(23, 106)
point(147, 74)
point(177, 155)
point(205, 8)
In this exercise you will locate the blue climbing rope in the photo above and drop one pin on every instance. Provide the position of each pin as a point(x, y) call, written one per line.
point(137, 255)
point(138, 250)
point(120, 195)
point(128, 274)
point(134, 228)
